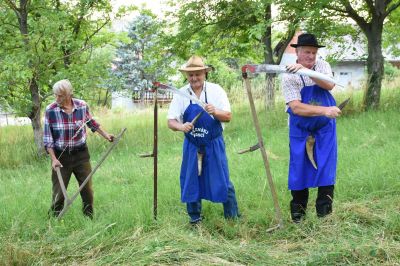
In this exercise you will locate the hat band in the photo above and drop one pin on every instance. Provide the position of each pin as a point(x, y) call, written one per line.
point(194, 65)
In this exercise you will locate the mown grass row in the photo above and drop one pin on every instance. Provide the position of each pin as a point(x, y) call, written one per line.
point(364, 228)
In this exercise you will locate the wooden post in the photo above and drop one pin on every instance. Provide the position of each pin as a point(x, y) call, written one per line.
point(155, 157)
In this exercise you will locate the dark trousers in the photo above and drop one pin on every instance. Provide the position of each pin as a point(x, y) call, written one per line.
point(231, 210)
point(323, 204)
point(77, 163)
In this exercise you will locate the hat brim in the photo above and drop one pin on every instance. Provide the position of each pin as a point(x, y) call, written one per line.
point(191, 69)
point(295, 45)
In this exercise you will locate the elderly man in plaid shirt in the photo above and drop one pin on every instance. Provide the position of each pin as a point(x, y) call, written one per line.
point(65, 141)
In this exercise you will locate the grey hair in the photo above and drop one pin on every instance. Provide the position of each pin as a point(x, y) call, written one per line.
point(63, 86)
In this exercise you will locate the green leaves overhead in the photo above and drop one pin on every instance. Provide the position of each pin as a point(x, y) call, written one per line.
point(44, 41)
point(61, 42)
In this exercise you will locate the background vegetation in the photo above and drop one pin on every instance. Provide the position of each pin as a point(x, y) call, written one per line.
point(364, 228)
point(44, 41)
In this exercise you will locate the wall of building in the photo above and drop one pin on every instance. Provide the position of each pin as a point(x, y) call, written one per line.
point(122, 101)
point(350, 74)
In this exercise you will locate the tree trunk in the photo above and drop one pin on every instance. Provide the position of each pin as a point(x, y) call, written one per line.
point(270, 91)
point(36, 117)
point(106, 97)
point(269, 59)
point(375, 66)
point(22, 14)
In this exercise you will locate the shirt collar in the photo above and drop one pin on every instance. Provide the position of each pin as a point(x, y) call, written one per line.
point(190, 90)
point(74, 106)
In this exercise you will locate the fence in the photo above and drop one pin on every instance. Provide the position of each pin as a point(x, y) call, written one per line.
point(8, 119)
point(147, 97)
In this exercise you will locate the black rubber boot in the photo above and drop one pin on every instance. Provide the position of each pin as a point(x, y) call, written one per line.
point(298, 205)
point(323, 205)
point(297, 212)
point(323, 210)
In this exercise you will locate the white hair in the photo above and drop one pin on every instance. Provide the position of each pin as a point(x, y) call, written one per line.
point(63, 86)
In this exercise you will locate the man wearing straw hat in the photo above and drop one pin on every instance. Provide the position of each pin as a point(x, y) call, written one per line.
point(312, 130)
point(204, 171)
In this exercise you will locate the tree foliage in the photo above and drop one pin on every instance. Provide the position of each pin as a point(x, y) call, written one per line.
point(231, 29)
point(332, 17)
point(391, 33)
point(44, 41)
point(235, 29)
point(142, 58)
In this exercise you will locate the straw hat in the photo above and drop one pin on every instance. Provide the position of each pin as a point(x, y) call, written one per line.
point(195, 63)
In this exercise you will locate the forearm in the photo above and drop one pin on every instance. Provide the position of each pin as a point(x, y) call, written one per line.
point(223, 116)
point(51, 153)
point(324, 84)
point(54, 160)
point(104, 134)
point(302, 109)
point(175, 125)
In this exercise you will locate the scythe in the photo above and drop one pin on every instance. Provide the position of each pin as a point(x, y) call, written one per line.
point(157, 86)
point(260, 144)
point(154, 154)
point(68, 201)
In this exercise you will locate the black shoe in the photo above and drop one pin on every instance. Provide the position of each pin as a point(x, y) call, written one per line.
point(297, 212)
point(297, 217)
point(196, 221)
point(324, 210)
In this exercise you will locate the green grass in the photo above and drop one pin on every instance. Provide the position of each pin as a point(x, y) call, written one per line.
point(363, 230)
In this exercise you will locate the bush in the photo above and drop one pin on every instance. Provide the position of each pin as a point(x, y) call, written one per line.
point(391, 72)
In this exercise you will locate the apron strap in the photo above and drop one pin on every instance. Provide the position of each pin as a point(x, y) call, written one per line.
point(205, 92)
point(302, 79)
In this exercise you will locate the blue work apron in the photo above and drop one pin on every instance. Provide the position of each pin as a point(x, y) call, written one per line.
point(206, 138)
point(302, 174)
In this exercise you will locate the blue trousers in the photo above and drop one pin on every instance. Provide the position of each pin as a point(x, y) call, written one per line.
point(231, 210)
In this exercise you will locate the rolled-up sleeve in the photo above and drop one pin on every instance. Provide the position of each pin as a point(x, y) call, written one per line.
point(47, 136)
point(223, 101)
point(91, 123)
point(175, 110)
point(291, 88)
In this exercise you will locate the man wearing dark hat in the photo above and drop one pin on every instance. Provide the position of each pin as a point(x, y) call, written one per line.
point(204, 171)
point(312, 111)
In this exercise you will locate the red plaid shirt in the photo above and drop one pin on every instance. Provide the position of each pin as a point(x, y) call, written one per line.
point(62, 130)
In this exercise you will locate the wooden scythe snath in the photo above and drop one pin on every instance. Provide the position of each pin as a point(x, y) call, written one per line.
point(260, 144)
point(154, 154)
point(68, 201)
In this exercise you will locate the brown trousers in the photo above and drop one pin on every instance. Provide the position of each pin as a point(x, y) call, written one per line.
point(78, 163)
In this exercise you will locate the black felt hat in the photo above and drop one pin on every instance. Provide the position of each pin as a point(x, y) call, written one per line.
point(306, 39)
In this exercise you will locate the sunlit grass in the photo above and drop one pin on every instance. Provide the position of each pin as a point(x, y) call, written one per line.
point(363, 230)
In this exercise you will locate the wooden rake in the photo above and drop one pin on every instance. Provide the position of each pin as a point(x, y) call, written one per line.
point(68, 201)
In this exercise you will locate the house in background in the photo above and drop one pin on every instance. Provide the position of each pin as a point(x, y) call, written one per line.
point(138, 99)
point(8, 118)
point(349, 66)
point(120, 100)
